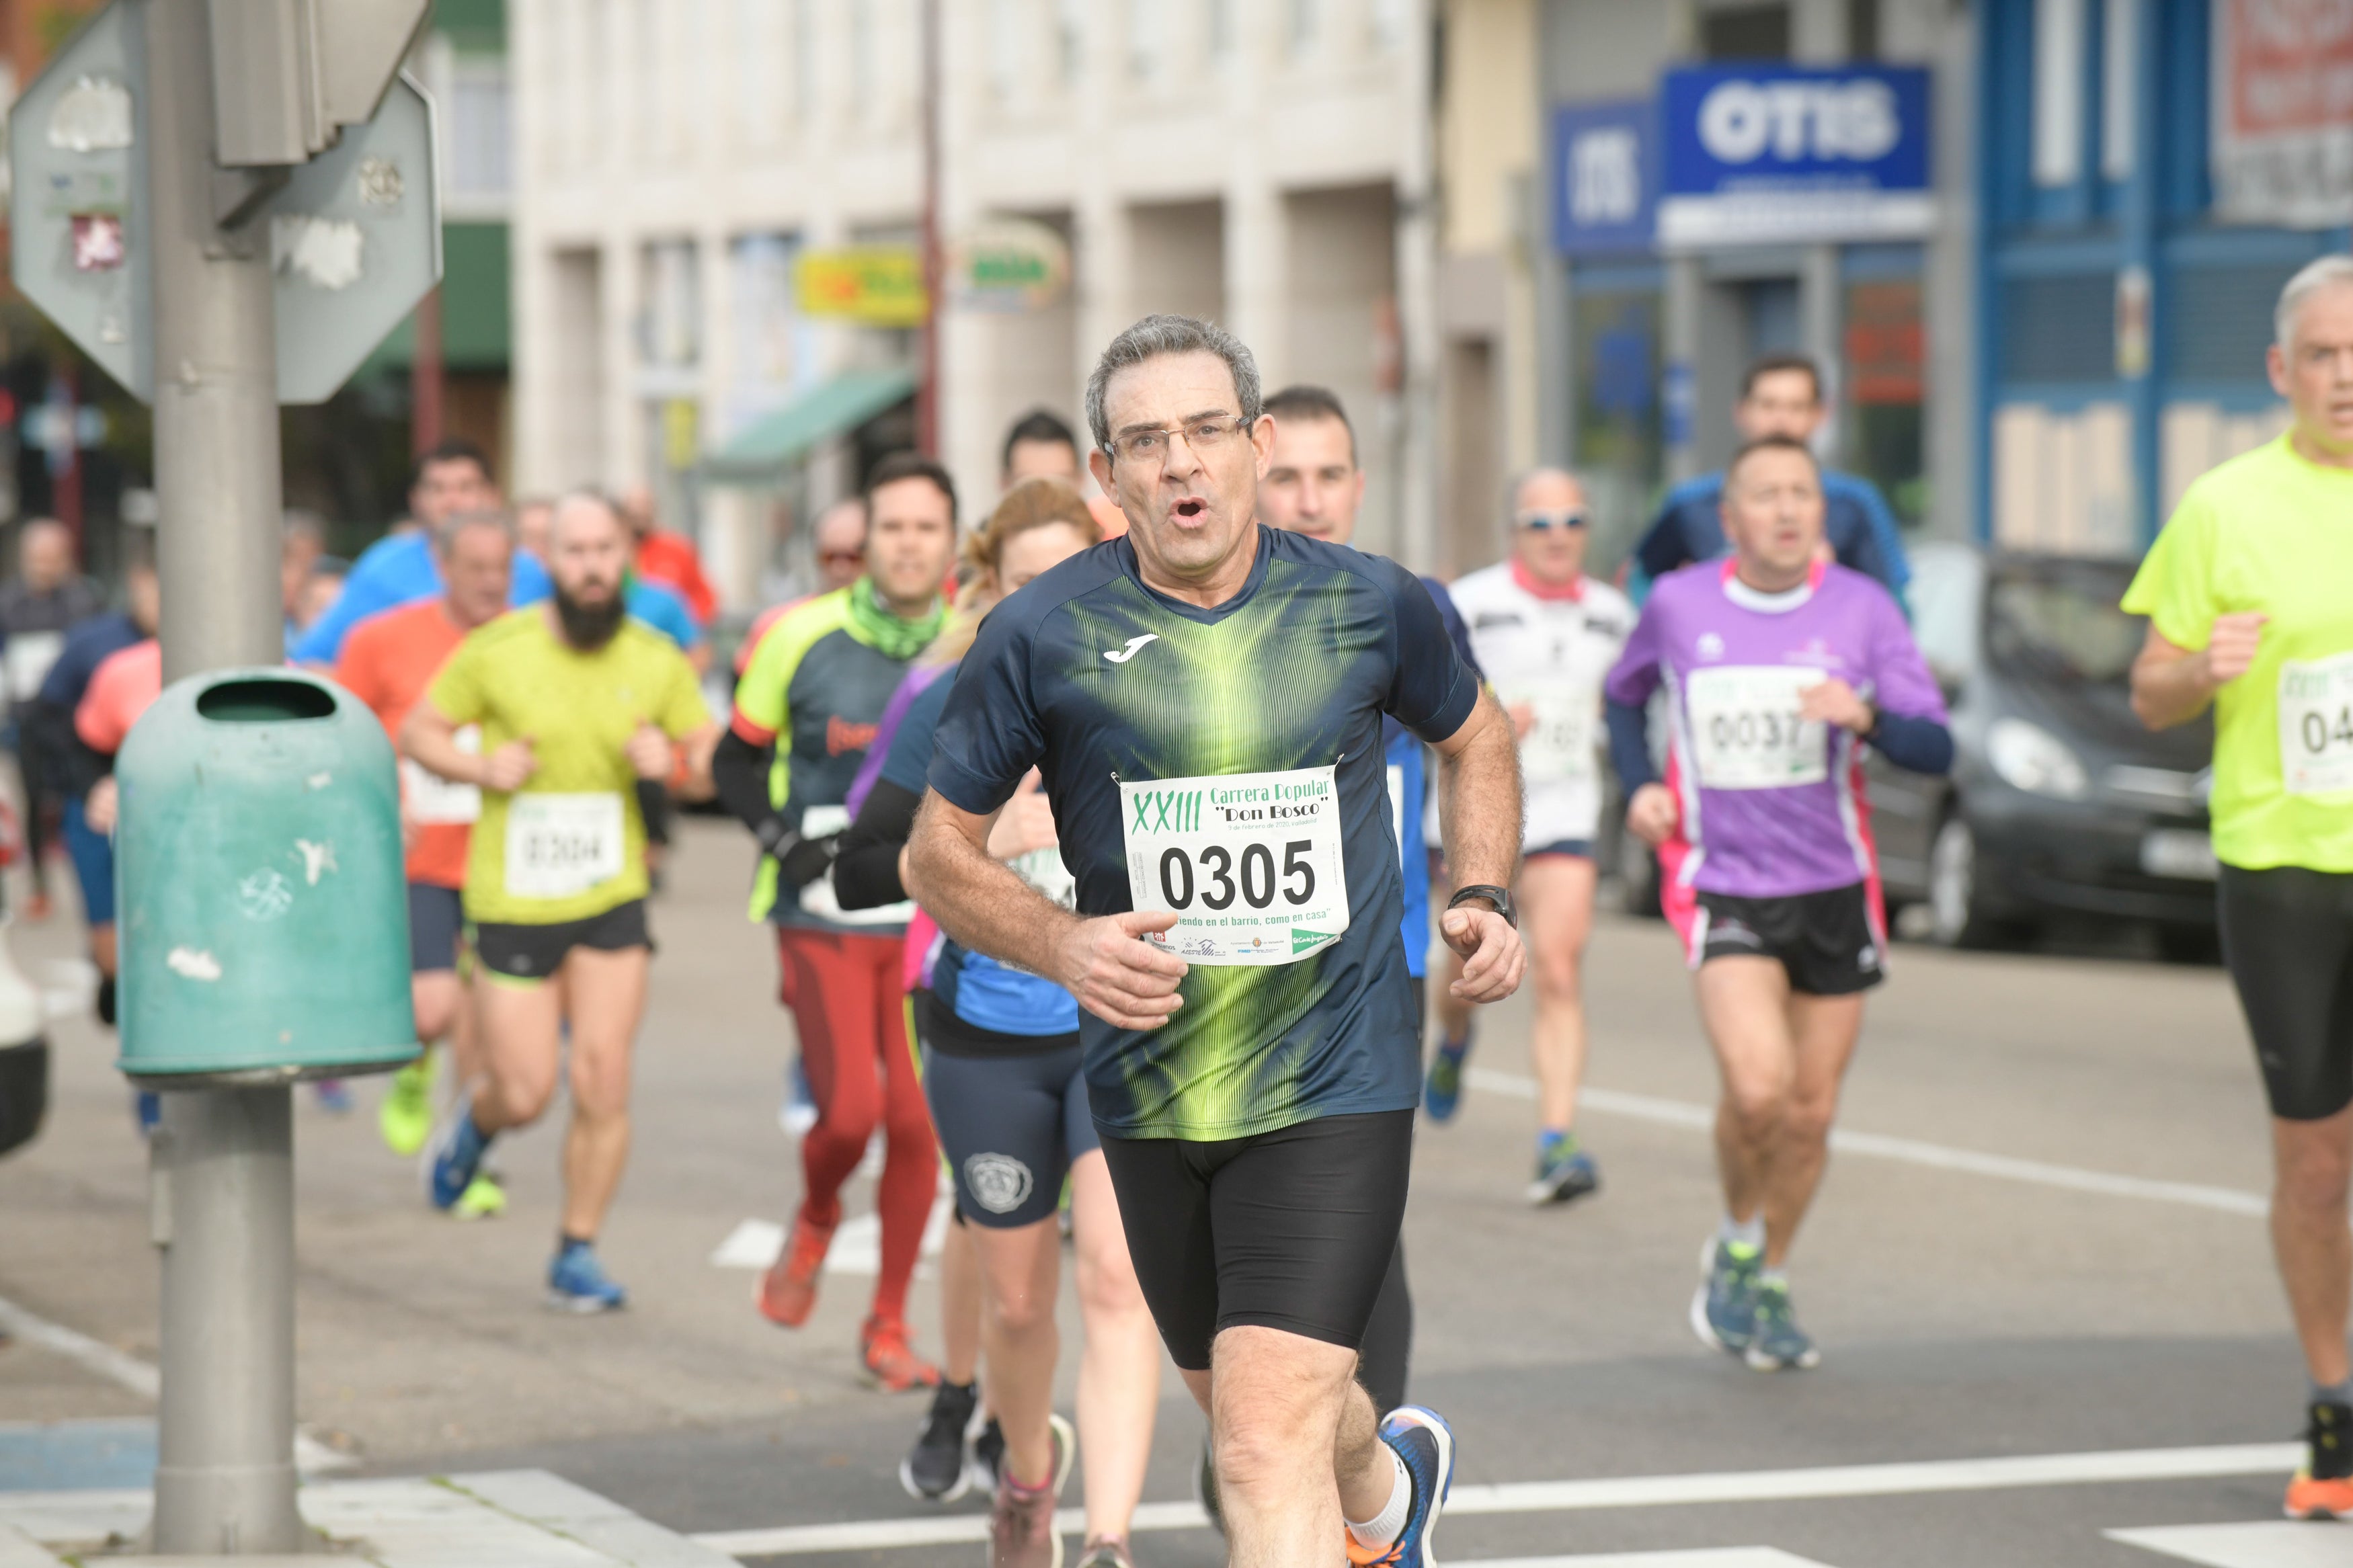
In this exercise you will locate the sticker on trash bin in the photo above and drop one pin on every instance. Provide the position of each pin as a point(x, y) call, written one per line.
point(196, 965)
point(265, 895)
point(316, 858)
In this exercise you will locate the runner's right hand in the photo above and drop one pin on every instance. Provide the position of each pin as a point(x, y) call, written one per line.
point(98, 809)
point(1116, 976)
point(1650, 814)
point(2231, 646)
point(509, 767)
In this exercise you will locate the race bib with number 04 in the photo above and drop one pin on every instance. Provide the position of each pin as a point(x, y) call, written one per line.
point(1250, 863)
point(1746, 728)
point(561, 845)
point(2316, 725)
point(433, 800)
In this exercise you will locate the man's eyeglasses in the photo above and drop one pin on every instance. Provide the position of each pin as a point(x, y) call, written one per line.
point(1543, 522)
point(1149, 448)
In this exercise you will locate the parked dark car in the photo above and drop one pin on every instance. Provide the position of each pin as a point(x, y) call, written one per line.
point(2059, 802)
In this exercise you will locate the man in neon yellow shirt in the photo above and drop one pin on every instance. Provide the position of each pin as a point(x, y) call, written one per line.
point(2249, 593)
point(576, 703)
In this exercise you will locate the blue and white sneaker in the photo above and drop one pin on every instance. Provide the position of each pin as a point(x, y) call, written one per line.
point(1426, 1443)
point(1724, 1309)
point(576, 1282)
point(1565, 1173)
point(1779, 1344)
point(1442, 1087)
point(798, 1112)
point(454, 1156)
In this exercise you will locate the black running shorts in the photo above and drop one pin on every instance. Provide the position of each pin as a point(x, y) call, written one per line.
point(1830, 942)
point(2287, 935)
point(1011, 1128)
point(1294, 1229)
point(536, 952)
point(437, 919)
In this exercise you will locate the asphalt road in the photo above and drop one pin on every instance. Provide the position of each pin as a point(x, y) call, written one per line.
point(2042, 1240)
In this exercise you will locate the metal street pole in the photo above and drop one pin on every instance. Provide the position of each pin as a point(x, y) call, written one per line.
point(927, 391)
point(224, 1158)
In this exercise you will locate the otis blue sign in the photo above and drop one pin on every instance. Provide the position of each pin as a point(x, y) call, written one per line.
point(1766, 154)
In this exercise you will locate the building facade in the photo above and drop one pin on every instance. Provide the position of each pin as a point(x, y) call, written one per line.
point(1266, 165)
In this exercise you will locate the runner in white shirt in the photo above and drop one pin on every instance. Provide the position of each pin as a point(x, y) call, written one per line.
point(1546, 634)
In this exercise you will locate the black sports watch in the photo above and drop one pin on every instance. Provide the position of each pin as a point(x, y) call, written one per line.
point(1499, 897)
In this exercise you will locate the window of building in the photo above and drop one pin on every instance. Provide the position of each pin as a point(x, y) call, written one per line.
point(1744, 33)
point(1147, 38)
point(1616, 382)
point(2059, 26)
point(477, 158)
point(2119, 103)
point(1863, 29)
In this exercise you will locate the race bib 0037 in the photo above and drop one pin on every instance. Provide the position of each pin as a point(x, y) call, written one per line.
point(1250, 863)
point(2316, 725)
point(561, 845)
point(1744, 728)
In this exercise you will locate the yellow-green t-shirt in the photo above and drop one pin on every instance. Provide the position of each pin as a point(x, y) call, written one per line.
point(574, 822)
point(2269, 531)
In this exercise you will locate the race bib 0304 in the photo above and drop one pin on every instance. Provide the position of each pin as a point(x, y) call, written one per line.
point(561, 845)
point(1744, 728)
point(1250, 863)
point(2316, 725)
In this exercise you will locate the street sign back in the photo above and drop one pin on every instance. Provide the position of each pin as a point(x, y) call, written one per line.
point(78, 202)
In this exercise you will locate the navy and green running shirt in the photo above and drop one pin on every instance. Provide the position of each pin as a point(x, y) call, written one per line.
point(1095, 680)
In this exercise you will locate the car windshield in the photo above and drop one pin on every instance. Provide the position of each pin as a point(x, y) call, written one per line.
point(2062, 625)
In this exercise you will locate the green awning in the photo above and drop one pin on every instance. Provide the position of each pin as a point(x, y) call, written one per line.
point(761, 452)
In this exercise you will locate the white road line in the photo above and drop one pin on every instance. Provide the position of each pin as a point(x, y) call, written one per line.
point(1707, 1557)
point(2275, 1544)
point(141, 1378)
point(1623, 1491)
point(1910, 1151)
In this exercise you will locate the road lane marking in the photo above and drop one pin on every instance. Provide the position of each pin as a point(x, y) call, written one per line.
point(1705, 1557)
point(1909, 1151)
point(1619, 1491)
point(2278, 1543)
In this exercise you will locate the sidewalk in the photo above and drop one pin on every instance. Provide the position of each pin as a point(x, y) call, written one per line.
point(502, 1519)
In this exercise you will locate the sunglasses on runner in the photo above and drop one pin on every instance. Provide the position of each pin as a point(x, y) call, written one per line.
point(843, 557)
point(1547, 520)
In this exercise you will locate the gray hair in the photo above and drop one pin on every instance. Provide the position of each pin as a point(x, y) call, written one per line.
point(445, 538)
point(1155, 336)
point(2314, 276)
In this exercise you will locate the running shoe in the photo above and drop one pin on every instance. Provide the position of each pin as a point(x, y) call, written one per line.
point(1779, 1344)
point(484, 1198)
point(798, 1112)
point(1205, 1487)
point(576, 1282)
point(334, 1095)
point(147, 1111)
point(1441, 1089)
point(405, 1117)
point(2323, 1488)
point(1021, 1533)
point(453, 1156)
point(106, 1000)
point(988, 1456)
point(1426, 1443)
point(938, 1468)
point(1724, 1308)
point(1105, 1552)
point(789, 1289)
point(892, 1362)
point(1564, 1171)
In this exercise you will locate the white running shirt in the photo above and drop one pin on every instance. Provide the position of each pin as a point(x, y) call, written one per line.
point(1551, 655)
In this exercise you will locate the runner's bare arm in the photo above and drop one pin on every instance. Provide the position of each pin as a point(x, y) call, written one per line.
point(1479, 817)
point(981, 902)
point(2171, 685)
point(431, 738)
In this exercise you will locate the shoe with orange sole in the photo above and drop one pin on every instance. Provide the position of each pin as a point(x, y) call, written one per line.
point(891, 1362)
point(789, 1289)
point(2323, 1488)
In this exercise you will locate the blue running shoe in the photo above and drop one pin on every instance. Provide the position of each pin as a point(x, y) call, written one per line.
point(454, 1157)
point(1780, 1345)
point(798, 1113)
point(1724, 1309)
point(1564, 1172)
point(147, 1106)
point(1441, 1089)
point(334, 1095)
point(576, 1282)
point(1426, 1443)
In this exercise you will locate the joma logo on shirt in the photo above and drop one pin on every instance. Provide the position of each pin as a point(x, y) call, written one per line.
point(1168, 811)
point(842, 735)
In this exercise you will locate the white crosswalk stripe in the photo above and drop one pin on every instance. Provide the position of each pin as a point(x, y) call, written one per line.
point(2273, 1543)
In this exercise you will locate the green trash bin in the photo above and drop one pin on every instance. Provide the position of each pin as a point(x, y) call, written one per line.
point(261, 899)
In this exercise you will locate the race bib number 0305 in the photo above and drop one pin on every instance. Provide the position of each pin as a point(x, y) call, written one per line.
point(561, 845)
point(1250, 863)
point(1745, 732)
point(2316, 725)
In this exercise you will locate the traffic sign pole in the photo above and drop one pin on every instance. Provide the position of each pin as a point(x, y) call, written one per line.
point(223, 1159)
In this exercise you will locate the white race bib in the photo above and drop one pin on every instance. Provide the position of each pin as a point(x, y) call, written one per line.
point(29, 656)
point(561, 845)
point(433, 800)
point(1043, 869)
point(1558, 747)
point(2316, 725)
point(1250, 862)
point(818, 898)
point(1745, 732)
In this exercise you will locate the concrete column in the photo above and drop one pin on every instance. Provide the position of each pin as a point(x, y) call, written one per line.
point(1417, 304)
point(1682, 304)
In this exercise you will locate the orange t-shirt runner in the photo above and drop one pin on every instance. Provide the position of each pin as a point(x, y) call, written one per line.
point(387, 662)
point(124, 685)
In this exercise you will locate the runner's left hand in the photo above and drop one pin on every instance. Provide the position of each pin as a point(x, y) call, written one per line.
point(1835, 702)
point(1495, 958)
point(649, 753)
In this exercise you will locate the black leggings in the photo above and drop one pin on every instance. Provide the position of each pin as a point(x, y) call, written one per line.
point(2287, 935)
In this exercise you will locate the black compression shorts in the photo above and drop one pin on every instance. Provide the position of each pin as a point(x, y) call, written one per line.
point(1827, 942)
point(534, 952)
point(1012, 1127)
point(2287, 935)
point(1295, 1229)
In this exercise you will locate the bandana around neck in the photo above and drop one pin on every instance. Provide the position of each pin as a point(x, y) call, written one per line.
point(887, 634)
